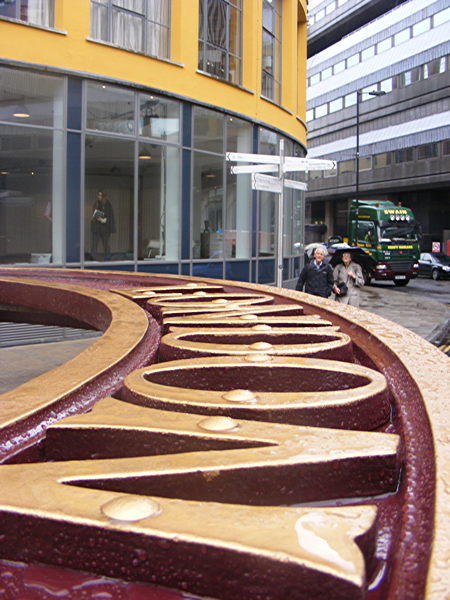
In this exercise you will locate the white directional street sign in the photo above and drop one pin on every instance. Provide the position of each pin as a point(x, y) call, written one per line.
point(296, 185)
point(267, 183)
point(267, 163)
point(290, 163)
point(253, 169)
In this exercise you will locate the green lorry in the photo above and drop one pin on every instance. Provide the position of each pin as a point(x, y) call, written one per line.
point(391, 235)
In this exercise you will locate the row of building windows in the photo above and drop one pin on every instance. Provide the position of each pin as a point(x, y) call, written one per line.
point(99, 172)
point(143, 26)
point(327, 10)
point(390, 42)
point(434, 67)
point(385, 159)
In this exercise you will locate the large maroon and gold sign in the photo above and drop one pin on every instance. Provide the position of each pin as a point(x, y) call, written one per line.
point(221, 440)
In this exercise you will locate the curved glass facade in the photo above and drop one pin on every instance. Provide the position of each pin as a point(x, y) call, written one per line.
point(98, 174)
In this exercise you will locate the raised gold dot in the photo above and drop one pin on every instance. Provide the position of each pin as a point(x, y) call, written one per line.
point(257, 358)
point(192, 285)
point(218, 424)
point(130, 508)
point(199, 293)
point(248, 317)
point(220, 301)
point(261, 346)
point(261, 327)
point(239, 396)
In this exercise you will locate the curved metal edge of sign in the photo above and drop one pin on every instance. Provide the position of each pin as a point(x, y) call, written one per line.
point(417, 373)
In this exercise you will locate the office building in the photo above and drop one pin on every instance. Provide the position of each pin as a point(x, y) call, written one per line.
point(389, 61)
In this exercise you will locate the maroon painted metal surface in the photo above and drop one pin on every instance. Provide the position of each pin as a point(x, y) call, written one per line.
point(133, 312)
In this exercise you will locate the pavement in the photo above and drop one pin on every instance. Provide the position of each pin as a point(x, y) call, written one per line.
point(428, 318)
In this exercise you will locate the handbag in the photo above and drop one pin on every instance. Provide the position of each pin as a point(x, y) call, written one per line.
point(343, 289)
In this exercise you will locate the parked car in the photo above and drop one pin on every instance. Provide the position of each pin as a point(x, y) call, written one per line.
point(435, 265)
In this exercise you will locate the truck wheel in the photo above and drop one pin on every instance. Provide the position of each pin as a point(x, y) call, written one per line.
point(435, 274)
point(367, 278)
point(401, 282)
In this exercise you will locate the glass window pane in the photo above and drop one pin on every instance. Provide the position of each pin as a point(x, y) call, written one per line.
point(159, 117)
point(384, 45)
point(350, 99)
point(321, 110)
point(99, 22)
point(386, 85)
point(29, 186)
point(441, 17)
point(109, 108)
point(127, 31)
point(207, 214)
point(237, 239)
point(159, 202)
point(208, 130)
point(268, 142)
point(109, 184)
point(346, 166)
point(36, 12)
point(157, 40)
point(336, 105)
point(327, 73)
point(338, 67)
point(352, 60)
point(402, 36)
point(31, 98)
point(267, 220)
point(421, 27)
point(367, 53)
point(315, 78)
point(217, 22)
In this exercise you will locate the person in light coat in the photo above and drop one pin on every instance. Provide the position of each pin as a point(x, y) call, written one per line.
point(350, 273)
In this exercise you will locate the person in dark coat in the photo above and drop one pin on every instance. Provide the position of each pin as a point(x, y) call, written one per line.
point(102, 224)
point(316, 276)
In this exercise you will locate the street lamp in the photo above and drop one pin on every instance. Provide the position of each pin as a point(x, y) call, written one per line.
point(359, 94)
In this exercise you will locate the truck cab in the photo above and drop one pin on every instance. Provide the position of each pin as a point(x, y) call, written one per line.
point(390, 234)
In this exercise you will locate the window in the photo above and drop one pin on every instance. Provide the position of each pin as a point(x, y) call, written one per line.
point(271, 50)
point(384, 45)
point(352, 60)
point(32, 147)
point(404, 155)
point(402, 36)
point(421, 27)
point(339, 67)
point(382, 160)
point(386, 85)
point(314, 79)
point(427, 151)
point(346, 166)
point(368, 53)
point(138, 25)
point(330, 8)
point(328, 72)
point(434, 67)
point(35, 12)
point(365, 163)
point(336, 105)
point(321, 110)
point(110, 108)
point(350, 99)
point(220, 30)
point(441, 17)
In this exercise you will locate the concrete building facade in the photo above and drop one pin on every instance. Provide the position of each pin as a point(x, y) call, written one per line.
point(400, 52)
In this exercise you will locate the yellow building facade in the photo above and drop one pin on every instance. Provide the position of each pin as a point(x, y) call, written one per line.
point(128, 108)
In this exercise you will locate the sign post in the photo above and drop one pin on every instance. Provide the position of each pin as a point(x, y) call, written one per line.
point(267, 163)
